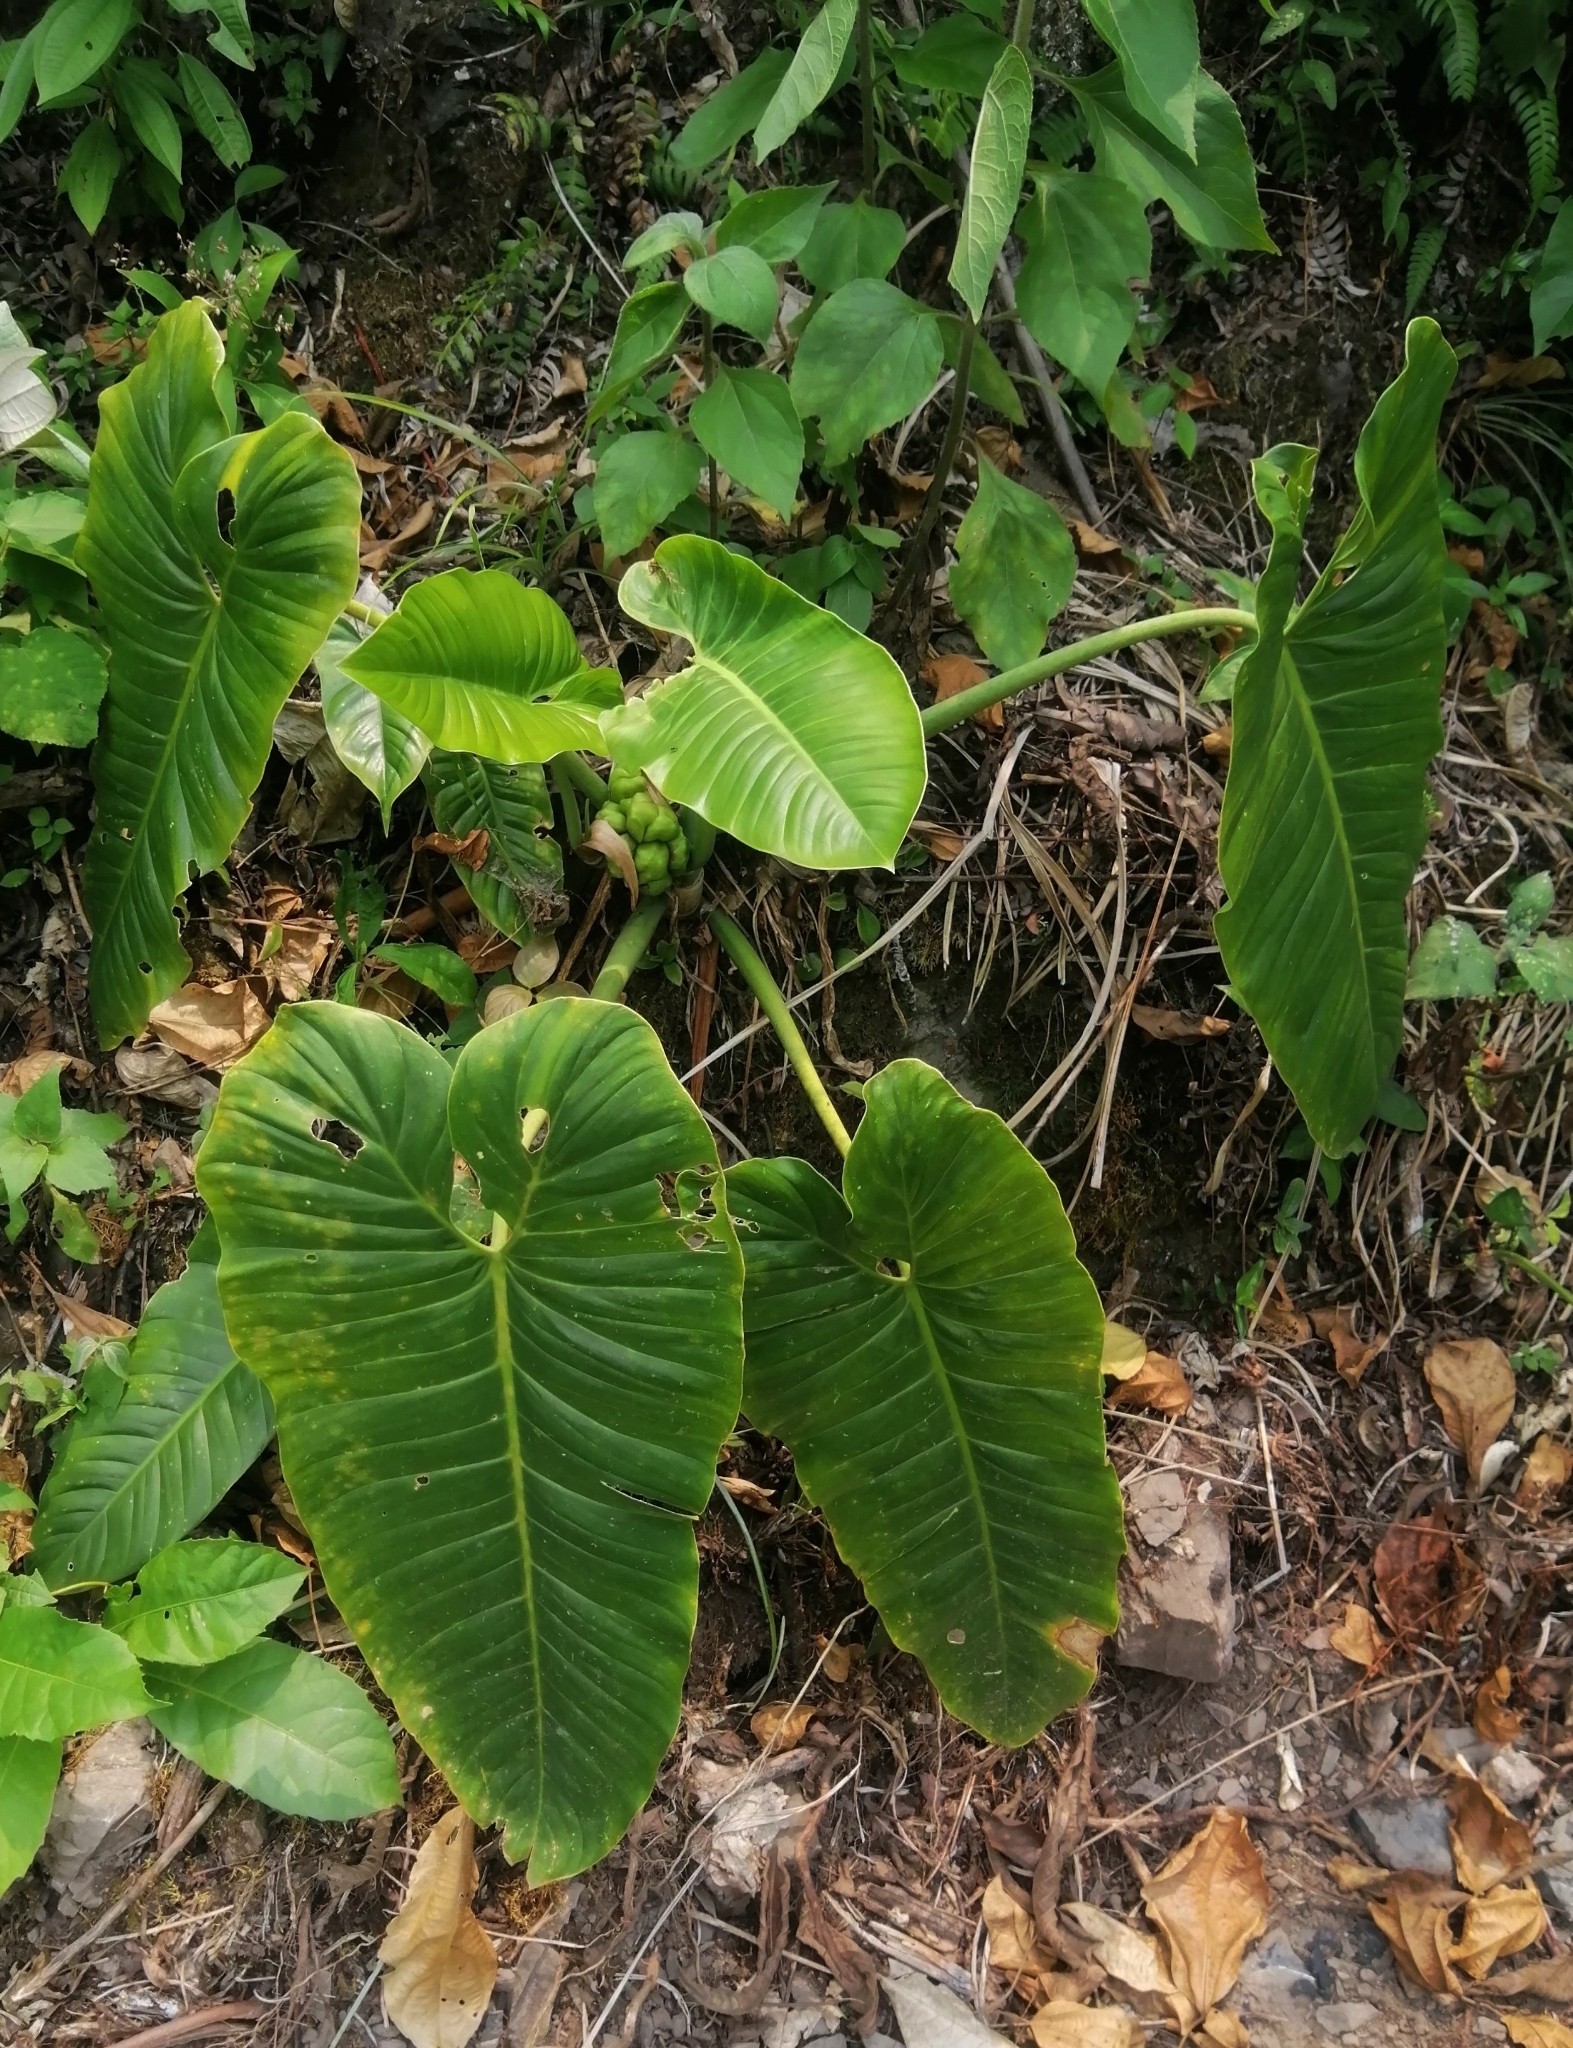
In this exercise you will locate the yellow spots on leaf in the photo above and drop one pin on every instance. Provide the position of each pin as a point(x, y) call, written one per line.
point(1078, 1640)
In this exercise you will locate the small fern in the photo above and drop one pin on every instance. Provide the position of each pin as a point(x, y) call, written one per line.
point(1424, 256)
point(1536, 114)
point(668, 183)
point(1458, 24)
point(1062, 136)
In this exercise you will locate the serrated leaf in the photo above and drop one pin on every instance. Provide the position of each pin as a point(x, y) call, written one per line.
point(1451, 961)
point(810, 77)
point(647, 330)
point(787, 729)
point(191, 1419)
point(1160, 60)
point(747, 421)
point(775, 223)
point(869, 356)
point(1335, 721)
point(383, 751)
point(852, 241)
point(29, 1773)
point(284, 1727)
point(206, 634)
point(58, 1677)
point(1213, 196)
point(75, 41)
point(737, 288)
point(198, 1602)
point(1085, 235)
point(1014, 568)
point(941, 1294)
point(994, 174)
point(51, 684)
point(539, 1417)
point(519, 888)
point(218, 120)
point(482, 665)
point(639, 480)
point(722, 121)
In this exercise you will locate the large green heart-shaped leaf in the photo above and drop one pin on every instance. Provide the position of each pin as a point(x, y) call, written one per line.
point(1086, 236)
point(747, 421)
point(208, 631)
point(496, 1447)
point(482, 665)
point(788, 729)
point(135, 1477)
point(999, 156)
point(58, 1676)
point(1160, 59)
point(1335, 720)
point(1211, 192)
point(869, 355)
point(1014, 569)
point(928, 1347)
point(518, 887)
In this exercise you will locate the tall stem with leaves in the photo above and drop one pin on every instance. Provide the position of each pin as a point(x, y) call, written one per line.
point(1021, 27)
point(917, 548)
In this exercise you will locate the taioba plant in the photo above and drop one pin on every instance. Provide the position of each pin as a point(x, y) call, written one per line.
point(506, 1308)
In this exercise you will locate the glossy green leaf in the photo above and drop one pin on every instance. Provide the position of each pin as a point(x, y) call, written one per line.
point(497, 1449)
point(519, 888)
point(381, 750)
point(200, 1601)
point(1335, 721)
point(190, 1421)
point(646, 333)
point(868, 357)
point(810, 77)
point(51, 685)
point(1086, 236)
point(955, 54)
point(283, 1726)
point(438, 968)
point(75, 41)
point(736, 287)
point(140, 94)
point(218, 120)
point(747, 421)
point(1014, 568)
point(1450, 962)
point(928, 1347)
point(1213, 197)
point(774, 223)
point(482, 665)
point(87, 178)
point(1160, 60)
point(58, 1677)
point(852, 241)
point(994, 174)
point(29, 1773)
point(722, 121)
point(207, 636)
point(787, 729)
point(639, 480)
point(671, 231)
point(1528, 907)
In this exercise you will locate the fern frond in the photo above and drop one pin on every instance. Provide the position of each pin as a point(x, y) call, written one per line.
point(1424, 256)
point(1457, 22)
point(1536, 115)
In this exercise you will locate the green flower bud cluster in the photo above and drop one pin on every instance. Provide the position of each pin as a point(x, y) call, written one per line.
point(649, 828)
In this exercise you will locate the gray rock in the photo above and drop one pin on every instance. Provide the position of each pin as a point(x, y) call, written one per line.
point(1273, 1973)
point(102, 1812)
point(1406, 1834)
point(1177, 1608)
point(1513, 1777)
point(1556, 1876)
point(1155, 1503)
point(1341, 2020)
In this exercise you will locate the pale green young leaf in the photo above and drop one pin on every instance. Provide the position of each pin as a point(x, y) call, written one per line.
point(1335, 722)
point(537, 1418)
point(869, 355)
point(672, 231)
point(218, 120)
point(519, 888)
point(51, 685)
point(852, 241)
point(940, 1292)
point(737, 288)
point(76, 38)
point(647, 331)
point(810, 77)
point(747, 421)
point(994, 174)
point(639, 480)
point(1213, 196)
point(29, 1773)
point(87, 177)
point(722, 121)
point(774, 223)
point(1160, 60)
point(1014, 568)
point(58, 1677)
point(787, 729)
point(1086, 236)
point(1451, 961)
point(200, 1601)
point(383, 751)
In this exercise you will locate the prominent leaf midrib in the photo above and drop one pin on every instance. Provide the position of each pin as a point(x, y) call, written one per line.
point(768, 713)
point(510, 1399)
point(185, 1680)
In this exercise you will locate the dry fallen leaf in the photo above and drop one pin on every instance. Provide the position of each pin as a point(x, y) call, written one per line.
point(1500, 1924)
point(947, 675)
point(1547, 1469)
point(1503, 372)
point(1124, 1353)
point(470, 851)
point(16, 1524)
point(212, 1026)
point(1351, 1875)
point(1423, 1580)
point(1490, 1846)
point(159, 1071)
point(82, 1321)
point(1178, 1027)
point(1536, 2030)
point(944, 842)
point(1013, 1941)
point(1413, 1914)
point(1210, 1902)
point(781, 1724)
point(1549, 1977)
point(1351, 1353)
point(1225, 2028)
point(1060, 2024)
point(1132, 1959)
point(1491, 1718)
point(20, 1075)
point(746, 1491)
point(439, 1959)
point(1158, 1383)
point(1473, 1385)
point(1357, 1636)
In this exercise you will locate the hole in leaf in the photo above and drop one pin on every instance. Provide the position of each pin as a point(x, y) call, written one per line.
point(226, 513)
point(892, 1269)
point(347, 1143)
point(128, 835)
point(422, 1479)
point(667, 1183)
point(697, 1240)
point(144, 967)
point(534, 1127)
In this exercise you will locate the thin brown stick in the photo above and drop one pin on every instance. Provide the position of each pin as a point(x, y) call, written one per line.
point(205, 2020)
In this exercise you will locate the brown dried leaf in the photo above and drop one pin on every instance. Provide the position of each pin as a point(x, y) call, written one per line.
point(1199, 396)
point(291, 967)
point(20, 1075)
point(1351, 1354)
point(1500, 1924)
point(1225, 2028)
point(1549, 1977)
point(159, 1071)
point(1133, 1960)
point(82, 1321)
point(1177, 1027)
point(1473, 1385)
point(781, 1724)
point(944, 842)
point(1490, 1846)
point(1414, 1916)
point(1061, 2024)
point(1092, 545)
point(1536, 2030)
point(1502, 372)
point(1491, 1718)
point(1408, 1569)
point(947, 675)
point(16, 1524)
point(1210, 1902)
point(469, 852)
point(439, 1959)
point(1547, 1469)
point(612, 846)
point(748, 1494)
point(1158, 1384)
point(1013, 1941)
point(1351, 1875)
point(1001, 447)
point(1357, 1636)
point(212, 1026)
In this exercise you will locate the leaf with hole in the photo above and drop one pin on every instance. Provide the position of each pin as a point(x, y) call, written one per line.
point(58, 1677)
point(736, 287)
point(1160, 60)
point(1335, 721)
point(283, 1726)
point(76, 39)
point(383, 751)
point(639, 481)
point(208, 630)
point(816, 65)
point(869, 356)
point(747, 421)
point(927, 1345)
point(29, 1773)
point(482, 665)
point(1014, 568)
point(537, 1415)
point(201, 1601)
point(994, 173)
point(787, 729)
point(190, 1421)
point(1085, 236)
point(518, 888)
point(1211, 195)
point(51, 685)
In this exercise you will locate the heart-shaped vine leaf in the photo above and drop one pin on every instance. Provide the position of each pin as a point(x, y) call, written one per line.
point(207, 631)
point(136, 1476)
point(1015, 565)
point(1335, 720)
point(928, 1347)
point(736, 287)
point(1211, 192)
point(856, 240)
point(29, 1773)
point(198, 1602)
point(647, 330)
point(1160, 58)
point(747, 421)
point(58, 1677)
point(869, 355)
point(774, 223)
point(788, 729)
point(534, 1418)
point(518, 886)
point(1086, 236)
point(482, 665)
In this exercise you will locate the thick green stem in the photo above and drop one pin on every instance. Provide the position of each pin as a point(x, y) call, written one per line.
point(917, 548)
point(700, 834)
point(583, 777)
point(866, 92)
point(628, 949)
point(983, 696)
point(567, 796)
point(367, 614)
point(1021, 29)
point(709, 377)
point(770, 999)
